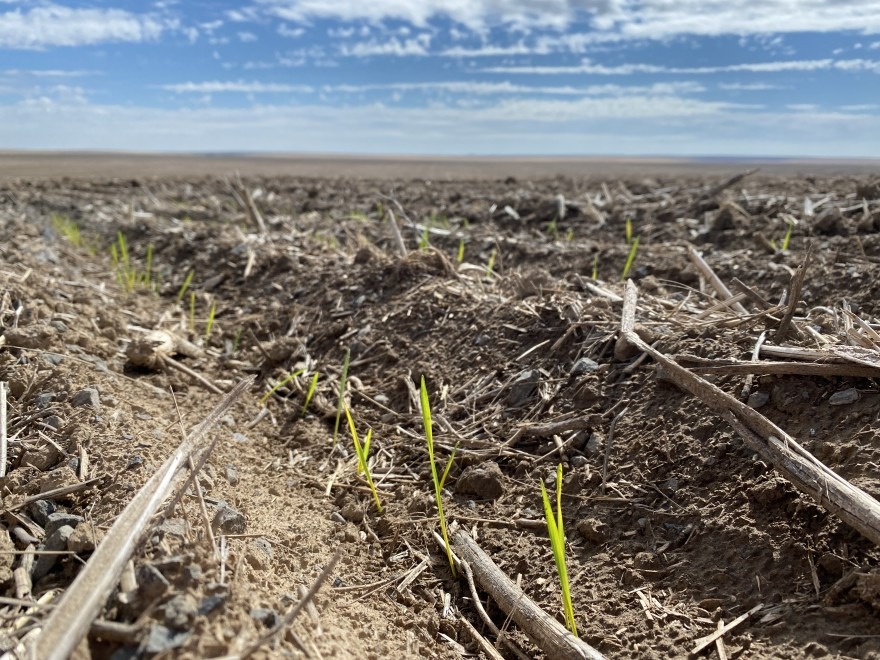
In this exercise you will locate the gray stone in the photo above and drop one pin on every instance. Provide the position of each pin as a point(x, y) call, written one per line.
point(228, 521)
point(259, 554)
point(87, 397)
point(43, 399)
point(267, 617)
point(173, 527)
point(41, 510)
point(60, 519)
point(758, 399)
point(57, 542)
point(844, 397)
point(584, 366)
point(524, 387)
point(54, 421)
point(180, 612)
point(162, 639)
point(211, 603)
point(151, 582)
point(231, 475)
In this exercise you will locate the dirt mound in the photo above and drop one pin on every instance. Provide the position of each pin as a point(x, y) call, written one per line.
point(508, 301)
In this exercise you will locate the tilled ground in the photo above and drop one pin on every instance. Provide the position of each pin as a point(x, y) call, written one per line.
point(507, 302)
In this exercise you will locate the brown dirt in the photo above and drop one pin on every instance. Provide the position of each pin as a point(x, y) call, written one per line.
point(690, 527)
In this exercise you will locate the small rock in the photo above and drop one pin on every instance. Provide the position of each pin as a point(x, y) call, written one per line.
point(485, 481)
point(593, 530)
point(180, 612)
point(173, 527)
point(578, 461)
point(583, 366)
point(352, 512)
point(758, 399)
point(844, 397)
point(135, 462)
point(84, 539)
point(231, 475)
point(228, 521)
point(162, 640)
point(151, 582)
point(43, 399)
point(54, 421)
point(87, 397)
point(43, 457)
point(267, 617)
point(57, 542)
point(524, 387)
point(53, 358)
point(594, 443)
point(482, 340)
point(60, 519)
point(57, 478)
point(23, 536)
point(41, 510)
point(210, 604)
point(193, 573)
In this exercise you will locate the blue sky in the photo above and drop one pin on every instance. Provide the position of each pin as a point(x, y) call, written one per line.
point(570, 77)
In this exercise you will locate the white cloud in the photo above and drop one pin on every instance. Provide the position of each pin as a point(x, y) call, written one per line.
point(748, 87)
point(417, 46)
point(54, 25)
point(475, 88)
point(289, 32)
point(642, 19)
point(861, 107)
point(247, 37)
point(49, 73)
point(586, 66)
point(240, 86)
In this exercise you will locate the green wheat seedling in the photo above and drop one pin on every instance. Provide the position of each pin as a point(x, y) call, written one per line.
point(186, 282)
point(67, 228)
point(491, 265)
point(553, 227)
point(460, 256)
point(595, 266)
point(311, 392)
point(210, 325)
point(569, 235)
point(279, 385)
point(787, 239)
point(629, 231)
point(192, 311)
point(363, 452)
point(236, 340)
point(438, 481)
point(634, 247)
point(341, 401)
point(425, 240)
point(146, 277)
point(557, 542)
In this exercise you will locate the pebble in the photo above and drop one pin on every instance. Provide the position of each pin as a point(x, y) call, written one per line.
point(180, 612)
point(259, 554)
point(524, 387)
point(267, 617)
point(41, 510)
point(584, 366)
point(60, 519)
point(210, 604)
point(83, 539)
point(56, 542)
point(162, 639)
point(87, 397)
point(758, 399)
point(844, 397)
point(152, 583)
point(484, 480)
point(231, 475)
point(229, 521)
point(43, 399)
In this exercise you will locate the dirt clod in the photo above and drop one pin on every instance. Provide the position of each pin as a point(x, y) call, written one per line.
point(486, 481)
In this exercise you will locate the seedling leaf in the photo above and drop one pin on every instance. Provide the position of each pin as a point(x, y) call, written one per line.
point(629, 260)
point(312, 387)
point(556, 533)
point(341, 402)
point(363, 452)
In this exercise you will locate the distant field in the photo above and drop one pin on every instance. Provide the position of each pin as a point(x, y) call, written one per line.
point(84, 164)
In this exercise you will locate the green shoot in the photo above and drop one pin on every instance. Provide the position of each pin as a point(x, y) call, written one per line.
point(787, 239)
point(312, 388)
point(557, 542)
point(235, 341)
point(210, 324)
point(148, 271)
point(279, 385)
point(438, 482)
point(363, 452)
point(186, 283)
point(341, 401)
point(67, 228)
point(425, 240)
point(491, 265)
point(553, 228)
point(629, 260)
point(192, 311)
point(596, 266)
point(569, 235)
point(460, 250)
point(629, 231)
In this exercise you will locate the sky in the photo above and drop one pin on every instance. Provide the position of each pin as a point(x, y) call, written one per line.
point(778, 78)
